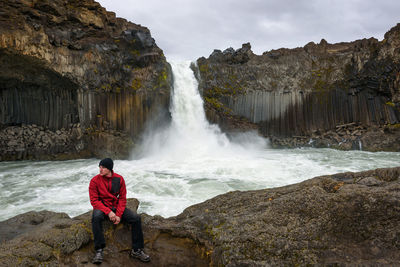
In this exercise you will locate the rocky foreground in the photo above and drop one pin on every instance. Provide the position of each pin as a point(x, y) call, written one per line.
point(345, 219)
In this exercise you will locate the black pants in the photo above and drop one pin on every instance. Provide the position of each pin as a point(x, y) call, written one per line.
point(129, 217)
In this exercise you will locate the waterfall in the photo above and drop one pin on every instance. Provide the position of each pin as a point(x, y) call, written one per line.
point(185, 162)
point(190, 134)
point(188, 117)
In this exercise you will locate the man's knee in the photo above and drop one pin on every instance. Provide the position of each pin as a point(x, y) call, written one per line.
point(131, 217)
point(97, 216)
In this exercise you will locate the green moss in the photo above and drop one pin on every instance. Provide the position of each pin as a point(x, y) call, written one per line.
point(162, 79)
point(214, 103)
point(213, 231)
point(204, 68)
point(321, 83)
point(217, 105)
point(84, 226)
point(220, 83)
point(324, 73)
point(389, 103)
point(394, 126)
point(136, 84)
point(106, 87)
point(135, 53)
point(164, 75)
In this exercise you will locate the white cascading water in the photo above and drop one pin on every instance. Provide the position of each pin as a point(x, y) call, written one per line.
point(190, 135)
point(187, 162)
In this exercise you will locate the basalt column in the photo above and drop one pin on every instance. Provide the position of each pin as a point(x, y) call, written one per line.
point(76, 81)
point(308, 93)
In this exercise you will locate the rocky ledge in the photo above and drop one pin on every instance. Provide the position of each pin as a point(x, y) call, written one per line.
point(351, 136)
point(67, 63)
point(35, 142)
point(345, 219)
point(308, 92)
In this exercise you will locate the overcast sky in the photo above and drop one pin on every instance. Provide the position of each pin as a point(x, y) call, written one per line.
point(189, 29)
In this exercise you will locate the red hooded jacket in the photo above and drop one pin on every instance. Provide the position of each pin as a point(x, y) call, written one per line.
point(101, 197)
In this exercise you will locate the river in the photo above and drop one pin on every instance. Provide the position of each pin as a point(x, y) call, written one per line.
point(178, 165)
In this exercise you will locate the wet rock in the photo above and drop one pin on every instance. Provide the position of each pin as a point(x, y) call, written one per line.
point(370, 181)
point(328, 220)
point(335, 220)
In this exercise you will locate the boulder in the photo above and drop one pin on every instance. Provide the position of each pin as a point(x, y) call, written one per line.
point(345, 219)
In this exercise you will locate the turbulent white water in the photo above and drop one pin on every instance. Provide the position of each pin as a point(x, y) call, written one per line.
point(185, 163)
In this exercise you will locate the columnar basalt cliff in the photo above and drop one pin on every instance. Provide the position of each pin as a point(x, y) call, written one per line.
point(292, 95)
point(346, 219)
point(72, 65)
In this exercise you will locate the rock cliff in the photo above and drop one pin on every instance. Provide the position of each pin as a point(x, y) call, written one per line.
point(72, 64)
point(292, 95)
point(346, 219)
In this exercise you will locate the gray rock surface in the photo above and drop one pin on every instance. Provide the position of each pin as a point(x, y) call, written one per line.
point(346, 219)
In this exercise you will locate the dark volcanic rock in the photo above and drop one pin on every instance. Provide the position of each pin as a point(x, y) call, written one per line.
point(40, 237)
point(296, 92)
point(71, 62)
point(345, 219)
point(53, 239)
point(351, 136)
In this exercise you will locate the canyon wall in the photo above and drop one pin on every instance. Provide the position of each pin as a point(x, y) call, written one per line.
point(308, 92)
point(72, 64)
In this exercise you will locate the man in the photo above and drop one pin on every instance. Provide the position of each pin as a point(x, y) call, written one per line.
point(107, 192)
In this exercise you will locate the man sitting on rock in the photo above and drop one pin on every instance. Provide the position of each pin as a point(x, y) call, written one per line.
point(107, 192)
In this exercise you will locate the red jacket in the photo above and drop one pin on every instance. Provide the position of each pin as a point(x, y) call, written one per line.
point(101, 197)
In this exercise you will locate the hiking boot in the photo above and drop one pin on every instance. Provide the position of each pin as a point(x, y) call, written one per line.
point(98, 257)
point(139, 254)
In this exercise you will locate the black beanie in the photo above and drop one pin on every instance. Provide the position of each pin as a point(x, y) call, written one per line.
point(108, 163)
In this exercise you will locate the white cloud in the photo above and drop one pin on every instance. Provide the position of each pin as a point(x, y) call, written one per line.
point(188, 29)
point(275, 27)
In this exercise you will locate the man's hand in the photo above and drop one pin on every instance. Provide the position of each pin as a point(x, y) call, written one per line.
point(112, 216)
